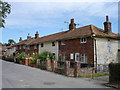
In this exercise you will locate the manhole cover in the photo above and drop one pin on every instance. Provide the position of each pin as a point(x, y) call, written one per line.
point(49, 83)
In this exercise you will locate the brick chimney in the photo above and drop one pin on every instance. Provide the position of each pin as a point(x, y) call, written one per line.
point(107, 26)
point(72, 25)
point(36, 35)
point(28, 37)
point(20, 39)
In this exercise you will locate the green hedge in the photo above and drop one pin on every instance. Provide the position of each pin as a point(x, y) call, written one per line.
point(114, 70)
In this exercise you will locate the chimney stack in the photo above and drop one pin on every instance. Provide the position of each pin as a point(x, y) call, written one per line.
point(20, 39)
point(36, 35)
point(107, 26)
point(72, 25)
point(28, 37)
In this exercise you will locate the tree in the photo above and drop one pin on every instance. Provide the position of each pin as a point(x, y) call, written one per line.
point(11, 41)
point(5, 9)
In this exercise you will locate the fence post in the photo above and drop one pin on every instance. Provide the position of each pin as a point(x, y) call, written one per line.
point(26, 61)
point(38, 62)
point(48, 65)
point(53, 65)
point(67, 68)
point(76, 68)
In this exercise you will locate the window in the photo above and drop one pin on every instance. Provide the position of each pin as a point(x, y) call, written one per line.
point(53, 54)
point(63, 57)
point(71, 56)
point(20, 47)
point(63, 42)
point(77, 57)
point(42, 45)
point(35, 46)
point(23, 47)
point(28, 47)
point(82, 40)
point(53, 43)
point(83, 58)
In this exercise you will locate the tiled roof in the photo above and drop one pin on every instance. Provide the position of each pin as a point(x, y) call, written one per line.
point(51, 37)
point(84, 31)
point(24, 42)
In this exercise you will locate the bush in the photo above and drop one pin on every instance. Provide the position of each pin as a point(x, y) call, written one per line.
point(45, 56)
point(114, 70)
point(34, 57)
point(22, 56)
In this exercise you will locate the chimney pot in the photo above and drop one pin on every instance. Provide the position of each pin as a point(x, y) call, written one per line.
point(36, 35)
point(107, 19)
point(72, 25)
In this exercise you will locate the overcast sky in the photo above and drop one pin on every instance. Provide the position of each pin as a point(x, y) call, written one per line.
point(48, 17)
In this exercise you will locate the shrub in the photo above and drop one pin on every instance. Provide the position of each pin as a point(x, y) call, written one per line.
point(22, 56)
point(34, 57)
point(114, 70)
point(45, 56)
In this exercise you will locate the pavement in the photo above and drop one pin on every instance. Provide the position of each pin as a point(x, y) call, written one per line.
point(21, 76)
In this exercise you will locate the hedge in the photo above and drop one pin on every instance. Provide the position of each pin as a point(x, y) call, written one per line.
point(114, 72)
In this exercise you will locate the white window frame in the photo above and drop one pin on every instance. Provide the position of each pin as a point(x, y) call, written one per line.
point(84, 58)
point(72, 56)
point(83, 40)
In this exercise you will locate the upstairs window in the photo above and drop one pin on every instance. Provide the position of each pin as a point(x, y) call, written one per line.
point(63, 42)
point(83, 40)
point(53, 43)
point(42, 45)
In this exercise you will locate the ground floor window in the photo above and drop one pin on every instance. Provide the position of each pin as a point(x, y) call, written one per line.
point(77, 57)
point(63, 57)
point(84, 58)
point(71, 56)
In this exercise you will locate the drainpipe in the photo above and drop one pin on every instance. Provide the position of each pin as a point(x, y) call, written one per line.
point(95, 56)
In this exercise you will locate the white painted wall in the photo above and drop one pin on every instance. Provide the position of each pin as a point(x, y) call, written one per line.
point(107, 52)
point(11, 50)
point(48, 47)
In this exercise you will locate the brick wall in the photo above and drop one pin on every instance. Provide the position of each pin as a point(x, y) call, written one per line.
point(74, 46)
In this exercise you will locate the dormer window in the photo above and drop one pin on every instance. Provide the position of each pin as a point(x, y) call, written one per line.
point(53, 43)
point(63, 42)
point(83, 40)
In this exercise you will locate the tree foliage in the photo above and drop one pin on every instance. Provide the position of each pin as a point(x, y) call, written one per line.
point(10, 42)
point(5, 9)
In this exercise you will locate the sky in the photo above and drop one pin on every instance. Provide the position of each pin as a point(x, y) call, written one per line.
point(49, 17)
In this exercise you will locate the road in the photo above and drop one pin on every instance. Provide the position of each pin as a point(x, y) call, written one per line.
point(21, 76)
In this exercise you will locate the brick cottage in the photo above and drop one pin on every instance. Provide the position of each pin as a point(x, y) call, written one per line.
point(88, 44)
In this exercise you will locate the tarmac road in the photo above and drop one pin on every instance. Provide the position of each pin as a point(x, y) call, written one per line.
point(21, 76)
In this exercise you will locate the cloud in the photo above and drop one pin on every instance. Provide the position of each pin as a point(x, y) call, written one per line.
point(46, 14)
